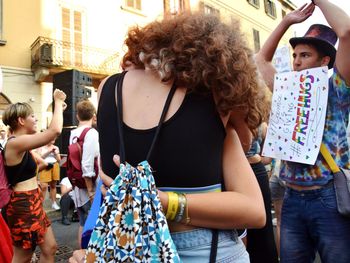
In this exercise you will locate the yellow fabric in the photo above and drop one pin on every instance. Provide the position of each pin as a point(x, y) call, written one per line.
point(46, 176)
point(328, 157)
point(173, 205)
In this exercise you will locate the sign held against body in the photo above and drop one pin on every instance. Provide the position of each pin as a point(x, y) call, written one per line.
point(297, 117)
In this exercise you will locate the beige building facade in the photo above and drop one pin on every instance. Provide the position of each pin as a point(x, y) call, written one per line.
point(258, 18)
point(39, 38)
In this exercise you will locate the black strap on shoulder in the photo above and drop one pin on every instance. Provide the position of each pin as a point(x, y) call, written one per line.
point(215, 233)
point(118, 92)
point(214, 246)
point(162, 118)
point(119, 86)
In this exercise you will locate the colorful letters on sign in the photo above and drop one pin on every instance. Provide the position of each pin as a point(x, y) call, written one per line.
point(297, 118)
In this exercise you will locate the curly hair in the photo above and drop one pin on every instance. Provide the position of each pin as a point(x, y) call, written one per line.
point(203, 54)
point(263, 103)
point(265, 99)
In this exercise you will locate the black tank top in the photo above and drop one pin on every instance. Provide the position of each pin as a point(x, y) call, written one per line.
point(188, 152)
point(25, 170)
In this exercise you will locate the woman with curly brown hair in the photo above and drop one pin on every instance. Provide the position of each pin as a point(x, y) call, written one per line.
point(208, 66)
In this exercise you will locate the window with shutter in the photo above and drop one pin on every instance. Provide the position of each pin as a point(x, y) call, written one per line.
point(2, 41)
point(207, 9)
point(174, 7)
point(270, 8)
point(135, 4)
point(255, 3)
point(256, 36)
point(78, 39)
point(72, 36)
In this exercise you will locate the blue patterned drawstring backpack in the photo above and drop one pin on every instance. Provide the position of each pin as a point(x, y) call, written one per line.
point(131, 226)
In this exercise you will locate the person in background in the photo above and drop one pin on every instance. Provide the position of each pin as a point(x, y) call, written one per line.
point(3, 137)
point(51, 174)
point(67, 199)
point(86, 113)
point(260, 242)
point(310, 219)
point(277, 189)
point(26, 218)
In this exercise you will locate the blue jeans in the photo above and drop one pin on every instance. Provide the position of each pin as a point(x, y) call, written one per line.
point(194, 246)
point(310, 222)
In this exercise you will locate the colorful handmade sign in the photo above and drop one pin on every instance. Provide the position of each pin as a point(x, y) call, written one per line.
point(297, 117)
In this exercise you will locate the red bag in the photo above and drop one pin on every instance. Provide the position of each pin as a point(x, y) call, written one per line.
point(74, 156)
point(5, 189)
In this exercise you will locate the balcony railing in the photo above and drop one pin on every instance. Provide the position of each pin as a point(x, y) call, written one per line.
point(47, 52)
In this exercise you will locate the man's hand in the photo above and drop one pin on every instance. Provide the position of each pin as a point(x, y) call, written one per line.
point(301, 14)
point(55, 149)
point(49, 166)
point(92, 196)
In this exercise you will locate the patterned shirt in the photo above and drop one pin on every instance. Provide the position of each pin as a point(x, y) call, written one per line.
point(334, 137)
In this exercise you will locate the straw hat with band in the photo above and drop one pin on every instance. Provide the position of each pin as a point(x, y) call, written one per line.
point(321, 36)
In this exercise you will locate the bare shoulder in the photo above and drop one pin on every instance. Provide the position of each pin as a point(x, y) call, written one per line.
point(148, 80)
point(137, 76)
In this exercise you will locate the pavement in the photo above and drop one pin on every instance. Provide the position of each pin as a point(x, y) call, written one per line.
point(66, 236)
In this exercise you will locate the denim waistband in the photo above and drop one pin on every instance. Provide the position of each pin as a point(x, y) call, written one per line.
point(309, 193)
point(200, 237)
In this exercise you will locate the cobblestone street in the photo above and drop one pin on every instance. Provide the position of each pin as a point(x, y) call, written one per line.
point(66, 236)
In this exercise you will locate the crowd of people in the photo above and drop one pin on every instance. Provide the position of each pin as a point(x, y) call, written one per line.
point(194, 101)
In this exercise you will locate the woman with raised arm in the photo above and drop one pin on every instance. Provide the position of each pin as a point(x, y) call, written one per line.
point(27, 220)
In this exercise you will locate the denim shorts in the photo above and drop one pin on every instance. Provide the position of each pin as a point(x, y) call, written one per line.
point(194, 246)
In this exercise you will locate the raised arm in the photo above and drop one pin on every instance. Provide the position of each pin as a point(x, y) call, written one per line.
point(340, 23)
point(264, 56)
point(32, 141)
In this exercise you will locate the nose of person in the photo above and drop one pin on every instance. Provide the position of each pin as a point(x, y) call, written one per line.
point(296, 63)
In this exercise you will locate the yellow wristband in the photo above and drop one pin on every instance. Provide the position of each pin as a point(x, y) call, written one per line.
point(173, 205)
